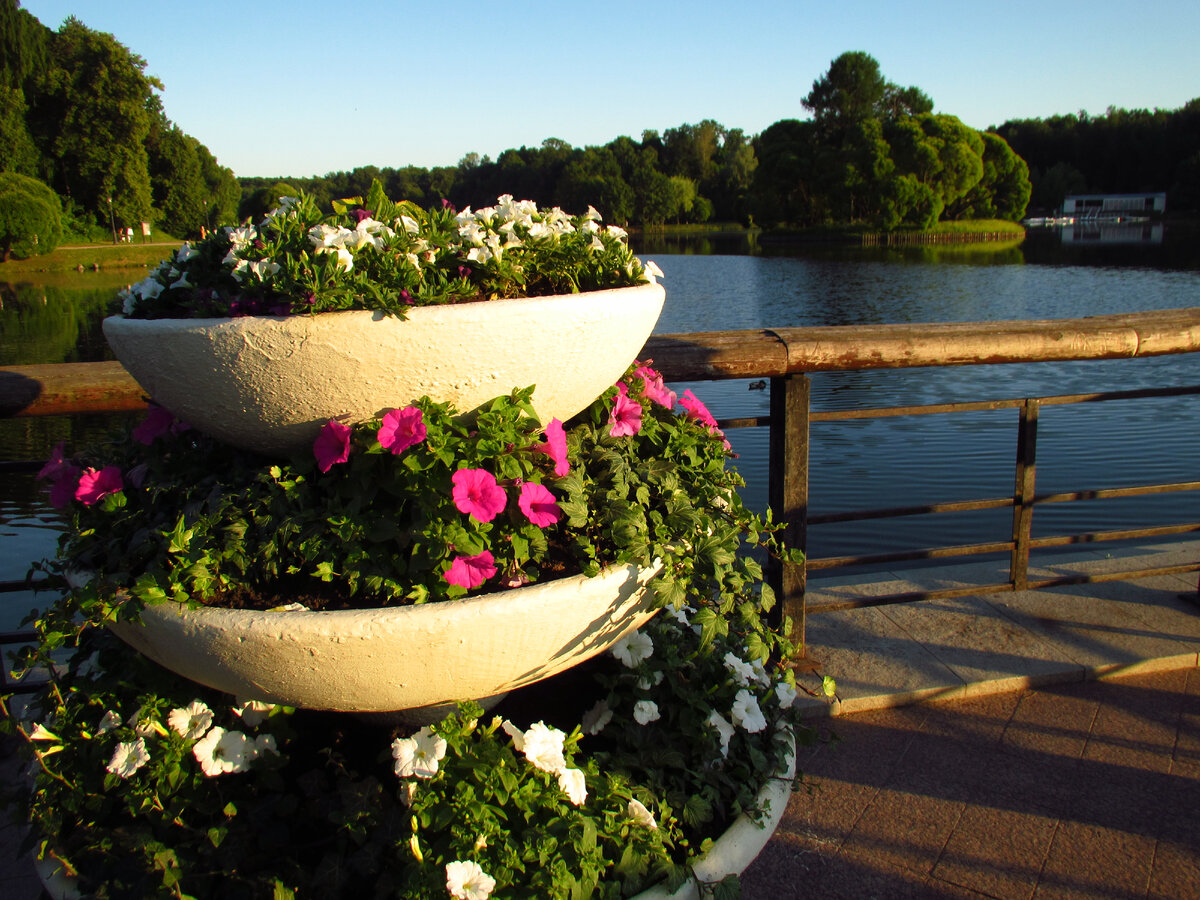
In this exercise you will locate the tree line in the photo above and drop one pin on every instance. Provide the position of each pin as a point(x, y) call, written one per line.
point(1120, 152)
point(873, 154)
point(79, 113)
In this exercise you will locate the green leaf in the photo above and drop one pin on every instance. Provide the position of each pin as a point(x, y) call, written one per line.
point(828, 685)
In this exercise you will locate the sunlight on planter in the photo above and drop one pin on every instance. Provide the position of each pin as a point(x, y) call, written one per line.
point(268, 383)
point(397, 658)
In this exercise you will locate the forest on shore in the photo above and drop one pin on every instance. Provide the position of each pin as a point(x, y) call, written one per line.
point(82, 121)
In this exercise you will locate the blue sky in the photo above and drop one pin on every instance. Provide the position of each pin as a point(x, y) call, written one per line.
point(304, 88)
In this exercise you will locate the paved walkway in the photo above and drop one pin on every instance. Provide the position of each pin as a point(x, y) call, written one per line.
point(1018, 775)
point(977, 755)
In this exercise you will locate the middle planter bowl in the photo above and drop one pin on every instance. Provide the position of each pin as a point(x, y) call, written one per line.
point(269, 383)
point(397, 658)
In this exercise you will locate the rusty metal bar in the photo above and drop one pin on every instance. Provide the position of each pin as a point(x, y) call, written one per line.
point(1109, 493)
point(896, 511)
point(788, 494)
point(1026, 475)
point(837, 562)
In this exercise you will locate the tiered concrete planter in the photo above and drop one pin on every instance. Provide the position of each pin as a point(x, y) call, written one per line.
point(414, 658)
point(733, 851)
point(268, 383)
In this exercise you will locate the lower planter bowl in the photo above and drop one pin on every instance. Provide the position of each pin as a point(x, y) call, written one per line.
point(414, 658)
point(733, 851)
point(269, 383)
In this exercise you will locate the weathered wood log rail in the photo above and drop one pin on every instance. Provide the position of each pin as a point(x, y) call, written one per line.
point(785, 356)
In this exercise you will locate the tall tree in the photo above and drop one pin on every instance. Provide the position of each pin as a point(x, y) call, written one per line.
point(94, 116)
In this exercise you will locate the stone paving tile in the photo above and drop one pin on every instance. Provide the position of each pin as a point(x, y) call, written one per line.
point(998, 850)
point(863, 651)
point(903, 829)
point(1091, 861)
point(1098, 633)
point(987, 650)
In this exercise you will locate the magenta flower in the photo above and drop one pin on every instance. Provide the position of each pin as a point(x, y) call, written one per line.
point(626, 415)
point(556, 447)
point(538, 504)
point(476, 493)
point(56, 464)
point(471, 571)
point(62, 488)
point(401, 429)
point(332, 445)
point(157, 423)
point(653, 388)
point(699, 412)
point(95, 486)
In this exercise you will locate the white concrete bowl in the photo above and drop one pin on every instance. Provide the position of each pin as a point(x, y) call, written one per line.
point(397, 658)
point(268, 383)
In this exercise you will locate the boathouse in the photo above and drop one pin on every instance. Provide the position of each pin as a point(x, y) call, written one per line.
point(1114, 206)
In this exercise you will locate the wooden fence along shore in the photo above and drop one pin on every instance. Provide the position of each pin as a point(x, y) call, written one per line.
point(921, 238)
point(785, 356)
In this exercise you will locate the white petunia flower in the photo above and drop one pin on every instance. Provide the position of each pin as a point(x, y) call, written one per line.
point(344, 260)
point(652, 268)
point(597, 717)
point(221, 751)
point(740, 669)
point(785, 694)
point(633, 648)
point(645, 712)
point(746, 713)
point(108, 722)
point(263, 743)
point(642, 816)
point(573, 784)
point(466, 880)
point(419, 754)
point(192, 720)
point(724, 730)
point(543, 747)
point(253, 712)
point(145, 725)
point(184, 253)
point(517, 735)
point(41, 733)
point(128, 758)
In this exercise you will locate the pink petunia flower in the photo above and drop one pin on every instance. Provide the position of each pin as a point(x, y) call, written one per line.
point(538, 504)
point(653, 388)
point(626, 415)
point(157, 423)
point(401, 429)
point(95, 486)
point(332, 445)
point(556, 447)
point(56, 464)
point(698, 412)
point(62, 490)
point(476, 493)
point(471, 571)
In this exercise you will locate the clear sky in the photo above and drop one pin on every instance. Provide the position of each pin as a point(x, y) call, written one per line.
point(303, 88)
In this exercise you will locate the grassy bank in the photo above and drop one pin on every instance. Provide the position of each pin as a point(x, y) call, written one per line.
point(93, 257)
point(966, 231)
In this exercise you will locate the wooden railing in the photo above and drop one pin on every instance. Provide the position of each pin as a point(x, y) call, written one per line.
point(785, 356)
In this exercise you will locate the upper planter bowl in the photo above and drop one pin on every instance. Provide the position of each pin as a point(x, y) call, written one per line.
point(269, 383)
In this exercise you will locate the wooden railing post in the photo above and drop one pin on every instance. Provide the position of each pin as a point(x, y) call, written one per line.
point(1026, 479)
point(788, 493)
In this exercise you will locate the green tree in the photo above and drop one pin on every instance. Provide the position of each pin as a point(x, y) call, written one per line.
point(93, 118)
point(30, 217)
point(849, 92)
point(177, 180)
point(17, 150)
point(940, 152)
point(1003, 190)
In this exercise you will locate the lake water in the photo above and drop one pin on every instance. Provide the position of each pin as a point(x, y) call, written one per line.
point(715, 285)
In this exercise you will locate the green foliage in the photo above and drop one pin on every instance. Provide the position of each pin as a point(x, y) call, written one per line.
point(30, 217)
point(647, 754)
point(372, 253)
